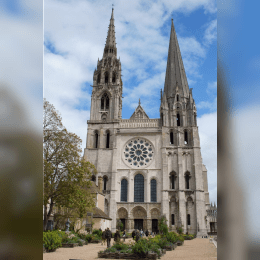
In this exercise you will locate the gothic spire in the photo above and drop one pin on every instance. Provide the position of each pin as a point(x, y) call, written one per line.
point(110, 46)
point(175, 73)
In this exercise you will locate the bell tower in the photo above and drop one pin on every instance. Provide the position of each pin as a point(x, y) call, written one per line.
point(106, 99)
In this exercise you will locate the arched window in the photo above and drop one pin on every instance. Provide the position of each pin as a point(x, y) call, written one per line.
point(153, 191)
point(178, 120)
point(177, 97)
point(124, 190)
point(114, 78)
point(171, 137)
point(186, 139)
point(106, 77)
point(107, 139)
point(105, 182)
point(162, 118)
point(106, 206)
point(139, 188)
point(187, 180)
point(188, 219)
point(105, 102)
point(173, 181)
point(173, 220)
point(98, 79)
point(93, 178)
point(96, 140)
point(195, 119)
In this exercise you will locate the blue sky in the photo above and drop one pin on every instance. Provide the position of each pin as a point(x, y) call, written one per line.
point(74, 39)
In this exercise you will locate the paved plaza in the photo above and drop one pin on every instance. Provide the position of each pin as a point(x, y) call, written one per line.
point(197, 249)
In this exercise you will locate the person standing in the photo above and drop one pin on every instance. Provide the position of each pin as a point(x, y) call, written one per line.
point(108, 237)
point(137, 235)
point(117, 237)
point(147, 233)
point(133, 234)
point(141, 233)
point(124, 235)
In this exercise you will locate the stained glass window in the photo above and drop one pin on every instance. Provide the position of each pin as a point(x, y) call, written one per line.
point(124, 190)
point(138, 149)
point(139, 188)
point(153, 191)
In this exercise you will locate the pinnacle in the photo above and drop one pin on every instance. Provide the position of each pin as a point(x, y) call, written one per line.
point(175, 73)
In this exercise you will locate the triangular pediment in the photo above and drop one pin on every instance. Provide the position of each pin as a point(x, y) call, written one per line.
point(139, 113)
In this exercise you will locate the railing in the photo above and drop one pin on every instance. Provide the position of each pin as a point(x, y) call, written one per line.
point(134, 123)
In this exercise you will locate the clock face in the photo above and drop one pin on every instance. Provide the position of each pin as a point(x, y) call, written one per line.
point(138, 153)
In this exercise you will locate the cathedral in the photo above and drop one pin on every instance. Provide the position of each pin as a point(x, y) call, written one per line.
point(147, 167)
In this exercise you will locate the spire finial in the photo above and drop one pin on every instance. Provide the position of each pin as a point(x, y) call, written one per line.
point(139, 102)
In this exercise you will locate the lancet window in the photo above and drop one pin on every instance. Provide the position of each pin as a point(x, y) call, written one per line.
point(153, 190)
point(124, 190)
point(139, 188)
point(105, 102)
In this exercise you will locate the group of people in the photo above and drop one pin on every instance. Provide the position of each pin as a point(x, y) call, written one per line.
point(136, 235)
point(107, 235)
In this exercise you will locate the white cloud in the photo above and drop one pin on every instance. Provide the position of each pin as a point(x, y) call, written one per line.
point(212, 106)
point(77, 32)
point(208, 140)
point(246, 139)
point(21, 58)
point(211, 32)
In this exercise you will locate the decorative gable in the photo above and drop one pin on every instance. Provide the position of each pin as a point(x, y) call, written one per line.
point(139, 113)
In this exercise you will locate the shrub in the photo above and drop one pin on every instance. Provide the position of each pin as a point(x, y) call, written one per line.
point(51, 240)
point(143, 246)
point(180, 230)
point(163, 227)
point(88, 237)
point(120, 246)
point(172, 237)
point(97, 232)
point(111, 249)
point(160, 241)
point(181, 238)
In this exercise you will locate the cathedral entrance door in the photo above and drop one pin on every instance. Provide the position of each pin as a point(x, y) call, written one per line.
point(139, 224)
point(155, 225)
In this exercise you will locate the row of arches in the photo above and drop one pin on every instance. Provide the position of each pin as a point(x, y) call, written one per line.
point(107, 77)
point(138, 189)
point(179, 119)
point(97, 141)
point(187, 137)
point(188, 219)
point(174, 183)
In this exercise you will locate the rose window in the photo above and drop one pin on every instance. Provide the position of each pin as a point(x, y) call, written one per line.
point(138, 152)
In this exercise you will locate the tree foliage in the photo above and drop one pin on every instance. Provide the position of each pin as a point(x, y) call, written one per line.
point(66, 174)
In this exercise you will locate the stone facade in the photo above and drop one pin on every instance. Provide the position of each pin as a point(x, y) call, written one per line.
point(150, 167)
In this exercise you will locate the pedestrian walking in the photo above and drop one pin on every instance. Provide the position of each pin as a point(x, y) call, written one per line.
point(103, 242)
point(108, 237)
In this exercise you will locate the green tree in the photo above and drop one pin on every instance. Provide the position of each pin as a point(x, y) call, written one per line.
point(66, 174)
point(163, 227)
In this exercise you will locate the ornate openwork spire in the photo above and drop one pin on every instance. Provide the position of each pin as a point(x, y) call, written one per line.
point(110, 46)
point(175, 73)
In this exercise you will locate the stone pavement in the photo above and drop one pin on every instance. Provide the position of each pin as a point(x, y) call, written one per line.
point(197, 249)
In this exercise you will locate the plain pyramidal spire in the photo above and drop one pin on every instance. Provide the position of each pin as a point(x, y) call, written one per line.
point(175, 72)
point(110, 46)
